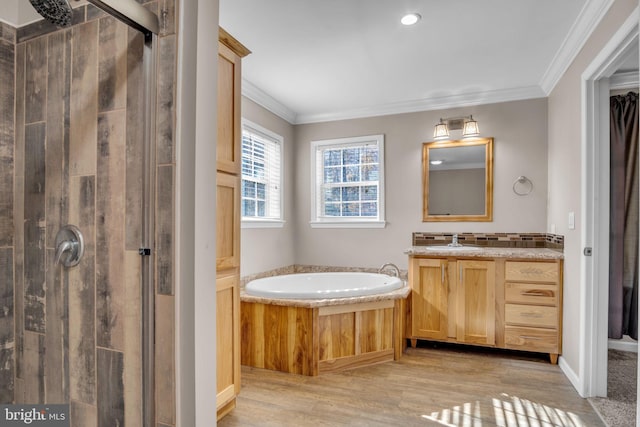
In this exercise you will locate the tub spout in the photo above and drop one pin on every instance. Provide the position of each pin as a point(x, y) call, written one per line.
point(394, 267)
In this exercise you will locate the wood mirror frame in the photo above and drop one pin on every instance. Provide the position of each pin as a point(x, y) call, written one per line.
point(487, 216)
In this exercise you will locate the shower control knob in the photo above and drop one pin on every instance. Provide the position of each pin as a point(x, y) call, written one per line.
point(69, 246)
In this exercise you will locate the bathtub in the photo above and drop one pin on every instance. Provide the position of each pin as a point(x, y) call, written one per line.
point(316, 323)
point(323, 285)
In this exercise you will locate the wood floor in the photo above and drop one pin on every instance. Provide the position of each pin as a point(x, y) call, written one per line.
point(450, 386)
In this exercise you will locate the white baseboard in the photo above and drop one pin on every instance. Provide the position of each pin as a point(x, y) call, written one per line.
point(572, 376)
point(623, 345)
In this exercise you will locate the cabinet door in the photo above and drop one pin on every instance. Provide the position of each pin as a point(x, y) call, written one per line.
point(476, 302)
point(227, 221)
point(229, 131)
point(227, 341)
point(429, 298)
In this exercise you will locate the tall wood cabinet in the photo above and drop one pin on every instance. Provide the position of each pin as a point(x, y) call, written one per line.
point(228, 159)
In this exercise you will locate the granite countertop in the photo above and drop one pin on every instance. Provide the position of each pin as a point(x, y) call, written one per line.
point(403, 292)
point(485, 252)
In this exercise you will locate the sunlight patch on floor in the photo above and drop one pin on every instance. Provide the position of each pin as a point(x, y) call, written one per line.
point(509, 411)
point(463, 416)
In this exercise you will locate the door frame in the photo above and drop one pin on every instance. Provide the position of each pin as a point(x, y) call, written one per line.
point(594, 270)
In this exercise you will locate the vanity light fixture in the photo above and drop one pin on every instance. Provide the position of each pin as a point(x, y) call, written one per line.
point(468, 125)
point(470, 128)
point(441, 131)
point(436, 162)
point(410, 19)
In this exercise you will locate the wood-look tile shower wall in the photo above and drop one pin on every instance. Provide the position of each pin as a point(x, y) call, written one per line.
point(71, 151)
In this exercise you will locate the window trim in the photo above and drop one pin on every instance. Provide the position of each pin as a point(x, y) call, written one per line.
point(258, 222)
point(346, 222)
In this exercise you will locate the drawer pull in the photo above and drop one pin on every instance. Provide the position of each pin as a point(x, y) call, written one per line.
point(529, 337)
point(537, 293)
point(530, 314)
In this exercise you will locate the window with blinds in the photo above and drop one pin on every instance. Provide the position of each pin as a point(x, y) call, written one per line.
point(348, 177)
point(261, 174)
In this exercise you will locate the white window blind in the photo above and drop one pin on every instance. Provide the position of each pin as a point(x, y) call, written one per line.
point(261, 173)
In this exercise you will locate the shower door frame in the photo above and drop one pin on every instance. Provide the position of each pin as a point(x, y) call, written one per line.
point(138, 17)
point(148, 228)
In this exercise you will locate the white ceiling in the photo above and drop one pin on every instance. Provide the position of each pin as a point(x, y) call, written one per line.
point(325, 60)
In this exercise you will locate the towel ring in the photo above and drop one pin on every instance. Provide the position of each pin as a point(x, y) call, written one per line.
point(522, 186)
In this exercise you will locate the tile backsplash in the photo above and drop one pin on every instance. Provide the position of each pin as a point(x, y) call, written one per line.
point(492, 240)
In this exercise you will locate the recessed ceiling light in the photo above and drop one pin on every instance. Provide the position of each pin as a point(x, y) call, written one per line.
point(410, 18)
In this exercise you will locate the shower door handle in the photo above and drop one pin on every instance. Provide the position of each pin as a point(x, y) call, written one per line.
point(69, 246)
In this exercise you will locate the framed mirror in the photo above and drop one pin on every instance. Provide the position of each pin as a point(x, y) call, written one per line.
point(457, 180)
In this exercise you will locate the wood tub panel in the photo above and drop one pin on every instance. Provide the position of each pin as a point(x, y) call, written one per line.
point(286, 346)
point(308, 341)
point(252, 333)
point(375, 330)
point(337, 336)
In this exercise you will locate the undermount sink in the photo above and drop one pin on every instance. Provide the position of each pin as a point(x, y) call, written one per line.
point(452, 248)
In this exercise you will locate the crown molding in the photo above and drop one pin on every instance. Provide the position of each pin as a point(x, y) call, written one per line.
point(265, 100)
point(588, 19)
point(621, 81)
point(427, 104)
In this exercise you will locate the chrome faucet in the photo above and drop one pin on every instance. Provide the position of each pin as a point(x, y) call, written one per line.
point(454, 242)
point(393, 266)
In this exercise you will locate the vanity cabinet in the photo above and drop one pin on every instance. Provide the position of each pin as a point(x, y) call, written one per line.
point(533, 307)
point(504, 303)
point(452, 300)
point(476, 299)
point(230, 52)
point(429, 298)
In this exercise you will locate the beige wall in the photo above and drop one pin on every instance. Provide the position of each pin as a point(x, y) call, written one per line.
point(520, 148)
point(264, 249)
point(565, 171)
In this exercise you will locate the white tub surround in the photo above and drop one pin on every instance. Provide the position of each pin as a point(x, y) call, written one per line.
point(323, 285)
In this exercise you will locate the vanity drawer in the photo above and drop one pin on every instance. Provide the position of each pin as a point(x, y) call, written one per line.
point(531, 339)
point(531, 271)
point(531, 293)
point(531, 315)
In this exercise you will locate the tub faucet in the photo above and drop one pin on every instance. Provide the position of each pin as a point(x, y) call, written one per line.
point(454, 242)
point(393, 266)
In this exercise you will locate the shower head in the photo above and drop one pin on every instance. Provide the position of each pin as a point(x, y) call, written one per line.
point(58, 12)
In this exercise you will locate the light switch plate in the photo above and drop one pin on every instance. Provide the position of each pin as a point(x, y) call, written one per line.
point(572, 221)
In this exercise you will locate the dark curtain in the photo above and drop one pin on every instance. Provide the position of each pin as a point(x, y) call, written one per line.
point(623, 251)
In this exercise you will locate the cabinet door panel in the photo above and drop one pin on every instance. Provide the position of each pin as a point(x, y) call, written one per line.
point(429, 298)
point(475, 294)
point(229, 131)
point(227, 338)
point(227, 221)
